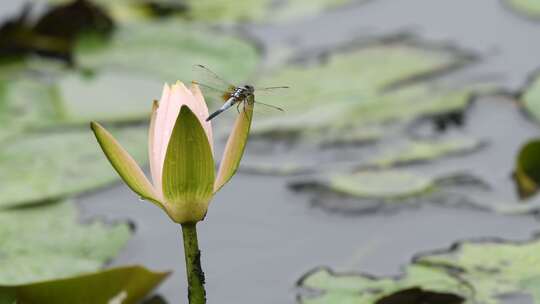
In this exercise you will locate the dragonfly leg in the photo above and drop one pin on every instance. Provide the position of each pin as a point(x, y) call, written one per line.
point(238, 107)
point(244, 108)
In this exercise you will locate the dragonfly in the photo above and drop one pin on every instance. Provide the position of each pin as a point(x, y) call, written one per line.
point(229, 93)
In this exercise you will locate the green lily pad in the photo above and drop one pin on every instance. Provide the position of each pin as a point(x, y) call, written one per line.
point(319, 100)
point(465, 274)
point(420, 151)
point(357, 136)
point(369, 191)
point(531, 98)
point(264, 10)
point(358, 288)
point(37, 167)
point(117, 285)
point(527, 169)
point(28, 104)
point(381, 184)
point(529, 8)
point(265, 167)
point(47, 242)
point(506, 270)
point(134, 49)
point(223, 11)
point(107, 96)
point(24, 104)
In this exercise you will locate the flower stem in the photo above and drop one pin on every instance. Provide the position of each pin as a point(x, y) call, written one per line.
point(195, 275)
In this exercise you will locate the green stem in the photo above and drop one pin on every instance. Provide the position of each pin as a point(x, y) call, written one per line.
point(195, 275)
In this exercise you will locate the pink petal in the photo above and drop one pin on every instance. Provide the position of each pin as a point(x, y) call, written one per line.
point(164, 120)
point(201, 110)
point(162, 133)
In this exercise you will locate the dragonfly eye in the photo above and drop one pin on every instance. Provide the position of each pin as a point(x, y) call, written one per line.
point(249, 88)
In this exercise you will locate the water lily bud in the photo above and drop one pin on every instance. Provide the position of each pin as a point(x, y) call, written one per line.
point(180, 149)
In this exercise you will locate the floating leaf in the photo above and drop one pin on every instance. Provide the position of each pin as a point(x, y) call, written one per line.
point(369, 191)
point(274, 168)
point(133, 48)
point(507, 269)
point(464, 274)
point(106, 97)
point(529, 8)
point(357, 288)
point(527, 169)
point(531, 98)
point(420, 151)
point(37, 167)
point(298, 8)
point(264, 10)
point(133, 10)
point(28, 104)
point(47, 242)
point(221, 11)
point(381, 184)
point(127, 285)
point(319, 100)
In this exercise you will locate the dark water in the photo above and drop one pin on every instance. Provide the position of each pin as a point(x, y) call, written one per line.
point(259, 237)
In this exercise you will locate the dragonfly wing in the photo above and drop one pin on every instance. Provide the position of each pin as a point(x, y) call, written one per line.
point(215, 89)
point(266, 110)
point(205, 75)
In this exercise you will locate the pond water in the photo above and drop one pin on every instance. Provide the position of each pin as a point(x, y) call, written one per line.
point(260, 237)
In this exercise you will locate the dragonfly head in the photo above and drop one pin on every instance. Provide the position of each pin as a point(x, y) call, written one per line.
point(250, 89)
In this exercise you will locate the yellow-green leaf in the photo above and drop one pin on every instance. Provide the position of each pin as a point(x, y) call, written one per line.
point(118, 285)
point(235, 147)
point(527, 170)
point(188, 171)
point(124, 164)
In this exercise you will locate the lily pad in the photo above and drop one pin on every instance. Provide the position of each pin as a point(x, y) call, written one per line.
point(319, 100)
point(421, 151)
point(264, 10)
point(506, 270)
point(223, 11)
point(359, 288)
point(25, 104)
point(529, 8)
point(133, 49)
point(531, 98)
point(47, 242)
point(117, 285)
point(272, 168)
point(44, 166)
point(29, 104)
point(527, 169)
point(381, 184)
point(369, 191)
point(463, 274)
point(105, 97)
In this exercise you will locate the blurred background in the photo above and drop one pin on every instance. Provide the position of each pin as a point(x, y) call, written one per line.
point(403, 170)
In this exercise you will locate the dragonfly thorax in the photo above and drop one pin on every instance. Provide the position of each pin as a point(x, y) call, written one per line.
point(243, 92)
